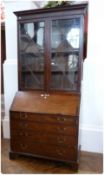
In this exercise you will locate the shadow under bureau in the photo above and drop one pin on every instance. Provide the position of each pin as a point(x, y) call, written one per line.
point(45, 126)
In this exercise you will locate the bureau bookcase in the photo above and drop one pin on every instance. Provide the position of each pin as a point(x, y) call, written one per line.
point(44, 115)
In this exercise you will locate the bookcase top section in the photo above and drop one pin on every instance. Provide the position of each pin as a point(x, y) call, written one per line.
point(80, 6)
point(37, 102)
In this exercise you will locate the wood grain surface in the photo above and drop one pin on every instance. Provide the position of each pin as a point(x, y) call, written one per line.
point(52, 104)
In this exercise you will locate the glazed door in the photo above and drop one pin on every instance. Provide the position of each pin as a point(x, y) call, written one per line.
point(31, 54)
point(65, 39)
point(49, 53)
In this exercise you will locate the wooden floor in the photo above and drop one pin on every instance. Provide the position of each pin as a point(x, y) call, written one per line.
point(89, 163)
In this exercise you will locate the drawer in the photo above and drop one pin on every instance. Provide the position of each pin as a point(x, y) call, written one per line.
point(43, 138)
point(68, 120)
point(43, 128)
point(44, 150)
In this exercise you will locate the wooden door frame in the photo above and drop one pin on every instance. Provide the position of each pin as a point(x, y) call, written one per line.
point(3, 54)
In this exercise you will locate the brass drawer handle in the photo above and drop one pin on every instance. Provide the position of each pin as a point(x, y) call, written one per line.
point(23, 146)
point(24, 125)
point(26, 134)
point(76, 122)
point(61, 119)
point(60, 140)
point(64, 129)
point(24, 116)
point(61, 129)
point(23, 134)
point(61, 153)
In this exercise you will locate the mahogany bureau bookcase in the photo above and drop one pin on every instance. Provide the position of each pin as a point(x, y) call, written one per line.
point(44, 115)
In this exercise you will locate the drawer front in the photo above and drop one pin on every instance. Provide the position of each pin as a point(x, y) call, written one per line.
point(68, 120)
point(44, 150)
point(43, 138)
point(43, 128)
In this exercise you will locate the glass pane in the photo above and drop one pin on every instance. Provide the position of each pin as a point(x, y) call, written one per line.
point(32, 54)
point(65, 54)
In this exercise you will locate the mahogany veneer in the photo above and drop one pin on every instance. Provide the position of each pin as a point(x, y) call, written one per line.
point(44, 116)
point(45, 127)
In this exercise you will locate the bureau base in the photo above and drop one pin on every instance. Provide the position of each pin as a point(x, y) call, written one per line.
point(72, 164)
point(45, 128)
